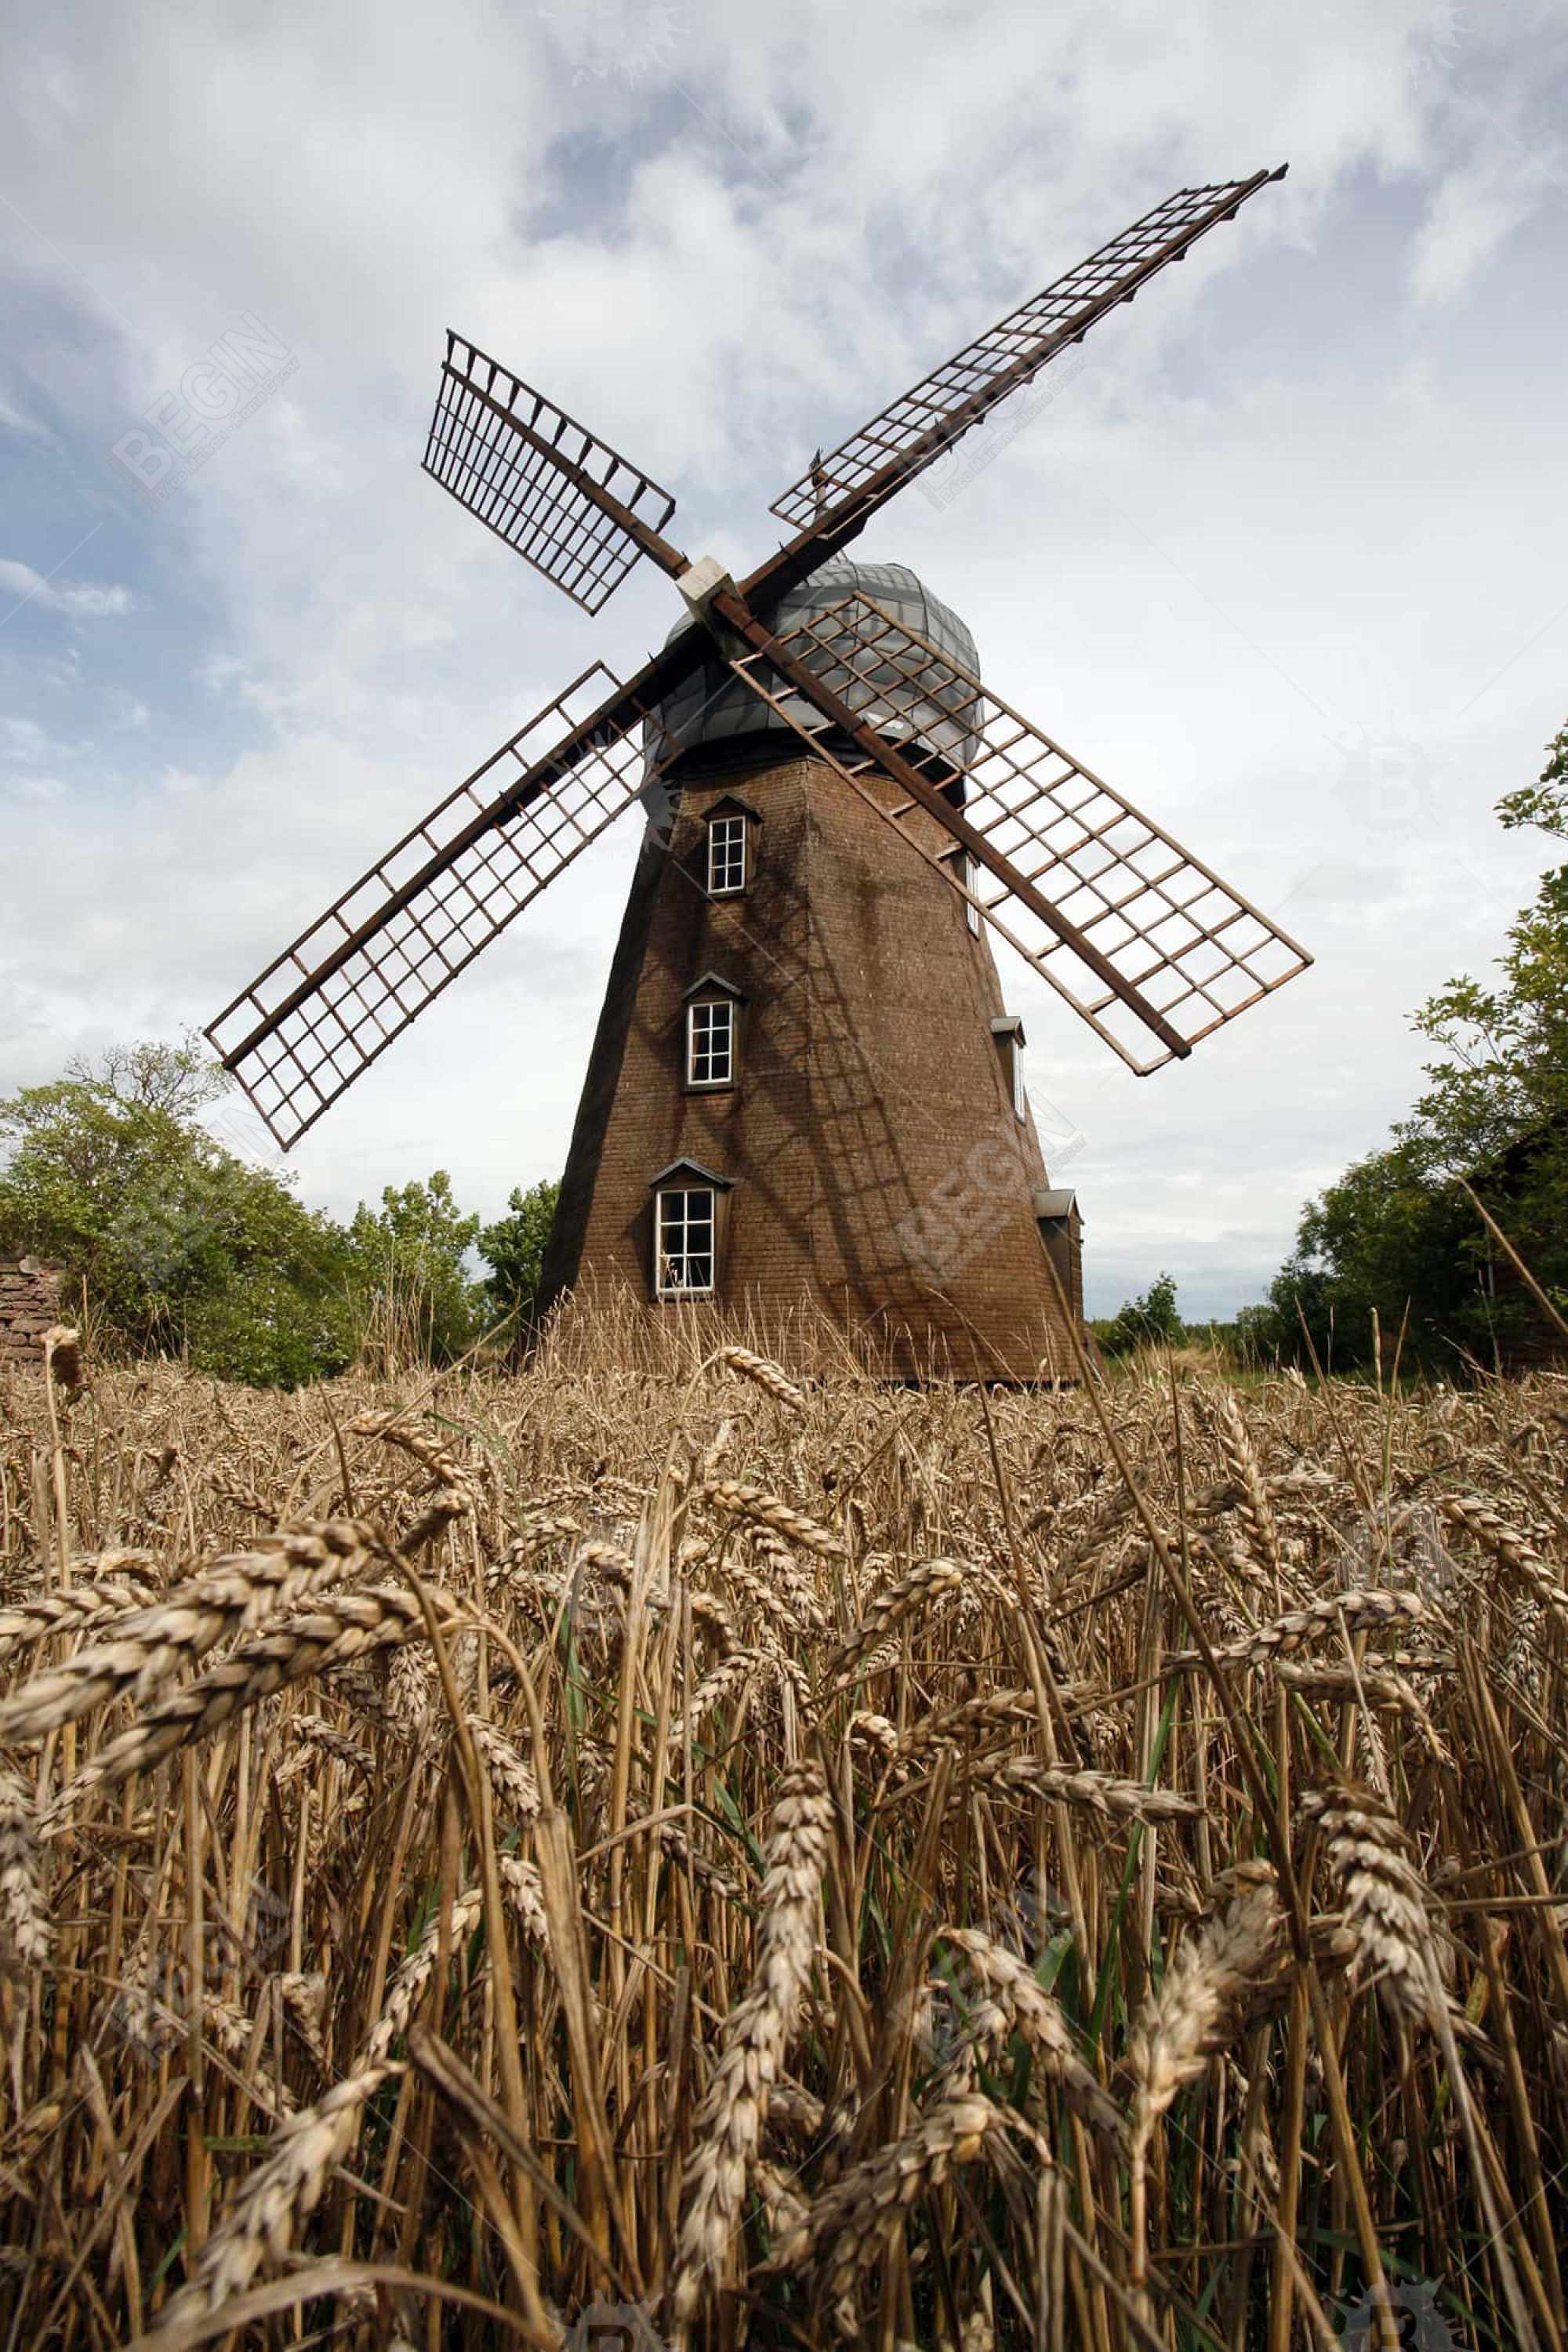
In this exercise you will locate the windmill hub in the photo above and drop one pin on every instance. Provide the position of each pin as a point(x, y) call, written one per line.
point(706, 579)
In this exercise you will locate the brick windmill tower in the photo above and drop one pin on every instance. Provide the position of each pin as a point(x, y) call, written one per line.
point(806, 1098)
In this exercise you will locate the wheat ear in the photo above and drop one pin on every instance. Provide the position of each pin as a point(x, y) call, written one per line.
point(41, 1615)
point(1029, 2010)
point(315, 1731)
point(925, 1584)
point(411, 1977)
point(1493, 1533)
point(756, 2034)
point(728, 1679)
point(23, 1917)
point(1384, 1897)
point(765, 1373)
point(235, 1595)
point(512, 1780)
point(1184, 2021)
point(1370, 1611)
point(765, 1510)
point(1254, 1508)
point(261, 2225)
point(343, 1627)
point(1099, 1792)
point(845, 2229)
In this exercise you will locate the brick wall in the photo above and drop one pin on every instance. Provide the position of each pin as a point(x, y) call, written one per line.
point(880, 1177)
point(29, 1305)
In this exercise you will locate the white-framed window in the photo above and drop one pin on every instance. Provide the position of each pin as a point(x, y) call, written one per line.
point(971, 879)
point(711, 1043)
point(1020, 1100)
point(726, 856)
point(684, 1237)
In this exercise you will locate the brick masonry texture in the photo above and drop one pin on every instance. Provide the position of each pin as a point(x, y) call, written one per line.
point(29, 1306)
point(880, 1177)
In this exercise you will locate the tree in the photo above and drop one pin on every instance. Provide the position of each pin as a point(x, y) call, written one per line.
point(108, 1171)
point(183, 1080)
point(1500, 1100)
point(1397, 1233)
point(1392, 1235)
point(513, 1248)
point(409, 1259)
point(1148, 1321)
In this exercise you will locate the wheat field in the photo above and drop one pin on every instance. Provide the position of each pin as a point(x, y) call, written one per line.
point(644, 1852)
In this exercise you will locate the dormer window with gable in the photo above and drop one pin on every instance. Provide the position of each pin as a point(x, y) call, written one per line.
point(712, 1034)
point(730, 842)
point(1008, 1032)
point(689, 1205)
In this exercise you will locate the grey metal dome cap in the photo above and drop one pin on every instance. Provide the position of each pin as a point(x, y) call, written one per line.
point(713, 706)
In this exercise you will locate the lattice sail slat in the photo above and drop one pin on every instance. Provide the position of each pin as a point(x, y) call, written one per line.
point(1197, 952)
point(917, 427)
point(496, 445)
point(308, 1025)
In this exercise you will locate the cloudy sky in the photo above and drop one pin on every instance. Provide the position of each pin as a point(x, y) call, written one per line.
point(1281, 559)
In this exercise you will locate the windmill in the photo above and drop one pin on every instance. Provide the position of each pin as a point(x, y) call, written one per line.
point(805, 1087)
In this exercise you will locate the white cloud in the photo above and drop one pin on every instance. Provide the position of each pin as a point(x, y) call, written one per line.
point(81, 599)
point(1473, 213)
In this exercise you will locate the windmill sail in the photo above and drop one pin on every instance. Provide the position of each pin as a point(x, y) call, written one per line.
point(556, 493)
point(329, 1004)
point(1147, 943)
point(841, 490)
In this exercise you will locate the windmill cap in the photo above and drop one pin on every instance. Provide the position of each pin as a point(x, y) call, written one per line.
point(713, 706)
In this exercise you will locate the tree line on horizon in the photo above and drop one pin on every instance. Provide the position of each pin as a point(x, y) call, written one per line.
point(180, 1247)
